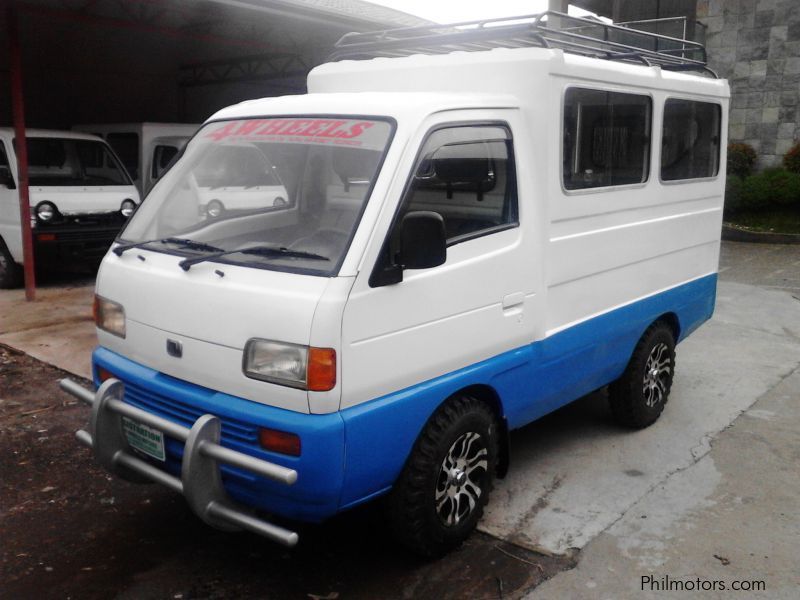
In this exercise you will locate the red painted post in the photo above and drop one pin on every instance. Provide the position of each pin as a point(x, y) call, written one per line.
point(18, 107)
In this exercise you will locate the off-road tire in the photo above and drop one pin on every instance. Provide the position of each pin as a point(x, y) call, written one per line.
point(10, 272)
point(412, 510)
point(631, 403)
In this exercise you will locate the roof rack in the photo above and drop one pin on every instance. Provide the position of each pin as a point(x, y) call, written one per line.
point(550, 29)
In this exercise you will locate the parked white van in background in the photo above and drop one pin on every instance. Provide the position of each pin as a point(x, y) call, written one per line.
point(470, 240)
point(238, 178)
point(80, 196)
point(146, 149)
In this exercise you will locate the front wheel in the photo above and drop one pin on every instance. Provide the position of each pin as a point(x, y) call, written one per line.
point(439, 497)
point(638, 398)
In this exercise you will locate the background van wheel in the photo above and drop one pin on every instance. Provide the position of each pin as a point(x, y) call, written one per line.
point(638, 397)
point(10, 272)
point(439, 497)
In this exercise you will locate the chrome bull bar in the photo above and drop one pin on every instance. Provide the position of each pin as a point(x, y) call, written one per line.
point(200, 481)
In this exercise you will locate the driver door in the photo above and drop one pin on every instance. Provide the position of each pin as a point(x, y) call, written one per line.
point(476, 305)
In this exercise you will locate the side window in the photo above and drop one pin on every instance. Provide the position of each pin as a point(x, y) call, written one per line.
point(606, 138)
point(126, 146)
point(162, 157)
point(690, 140)
point(466, 174)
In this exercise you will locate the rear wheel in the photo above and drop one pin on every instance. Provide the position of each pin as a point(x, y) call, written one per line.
point(439, 497)
point(10, 271)
point(638, 398)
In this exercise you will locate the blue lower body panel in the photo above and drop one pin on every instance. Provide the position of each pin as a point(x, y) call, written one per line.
point(356, 454)
point(530, 381)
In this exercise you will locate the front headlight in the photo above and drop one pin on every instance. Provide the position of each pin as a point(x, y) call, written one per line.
point(109, 316)
point(45, 211)
point(127, 207)
point(292, 365)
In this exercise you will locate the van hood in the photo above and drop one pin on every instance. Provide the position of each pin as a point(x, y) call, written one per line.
point(212, 310)
point(83, 200)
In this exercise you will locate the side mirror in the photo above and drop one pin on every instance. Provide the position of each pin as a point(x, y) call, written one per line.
point(423, 242)
point(7, 179)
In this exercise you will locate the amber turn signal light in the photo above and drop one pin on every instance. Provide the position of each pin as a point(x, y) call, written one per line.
point(321, 370)
point(281, 442)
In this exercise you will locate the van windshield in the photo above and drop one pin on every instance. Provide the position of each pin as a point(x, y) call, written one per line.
point(283, 194)
point(72, 162)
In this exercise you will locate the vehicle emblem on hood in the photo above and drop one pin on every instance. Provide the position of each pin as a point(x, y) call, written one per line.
point(174, 348)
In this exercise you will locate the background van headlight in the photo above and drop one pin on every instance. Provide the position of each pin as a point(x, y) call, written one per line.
point(127, 207)
point(293, 365)
point(214, 209)
point(109, 316)
point(46, 211)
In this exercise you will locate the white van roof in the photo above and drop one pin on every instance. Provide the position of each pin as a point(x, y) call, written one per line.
point(500, 70)
point(497, 78)
point(363, 104)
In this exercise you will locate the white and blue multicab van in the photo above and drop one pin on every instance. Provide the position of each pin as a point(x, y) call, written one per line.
point(469, 241)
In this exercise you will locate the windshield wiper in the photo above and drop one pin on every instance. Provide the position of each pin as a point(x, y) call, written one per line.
point(188, 244)
point(265, 251)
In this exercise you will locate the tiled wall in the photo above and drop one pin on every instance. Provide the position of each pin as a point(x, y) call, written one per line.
point(756, 45)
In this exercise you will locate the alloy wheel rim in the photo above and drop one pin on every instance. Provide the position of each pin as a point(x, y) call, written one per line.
point(656, 374)
point(458, 487)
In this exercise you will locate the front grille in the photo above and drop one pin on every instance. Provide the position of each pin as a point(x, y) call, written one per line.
point(186, 415)
point(109, 220)
point(83, 235)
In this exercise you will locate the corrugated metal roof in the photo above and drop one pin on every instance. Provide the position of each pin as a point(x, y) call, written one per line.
point(359, 14)
point(366, 10)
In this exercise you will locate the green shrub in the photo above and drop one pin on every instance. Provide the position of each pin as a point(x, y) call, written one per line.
point(773, 187)
point(791, 160)
point(733, 194)
point(741, 159)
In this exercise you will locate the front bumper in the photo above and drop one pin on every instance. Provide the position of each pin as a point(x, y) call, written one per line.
point(313, 497)
point(77, 237)
point(200, 480)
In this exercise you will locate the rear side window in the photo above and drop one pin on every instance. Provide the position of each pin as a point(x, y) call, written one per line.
point(162, 157)
point(690, 140)
point(606, 138)
point(466, 174)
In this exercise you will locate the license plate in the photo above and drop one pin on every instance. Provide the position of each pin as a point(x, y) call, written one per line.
point(144, 439)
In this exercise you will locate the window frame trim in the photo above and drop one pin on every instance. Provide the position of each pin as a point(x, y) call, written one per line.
point(715, 177)
point(606, 188)
point(379, 265)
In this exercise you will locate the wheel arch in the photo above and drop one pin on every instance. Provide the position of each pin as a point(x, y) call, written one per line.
point(672, 321)
point(489, 396)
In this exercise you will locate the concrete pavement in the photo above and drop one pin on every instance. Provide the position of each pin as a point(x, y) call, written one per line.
point(729, 519)
point(57, 328)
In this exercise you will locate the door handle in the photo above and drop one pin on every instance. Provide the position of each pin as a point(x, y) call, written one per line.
point(513, 300)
